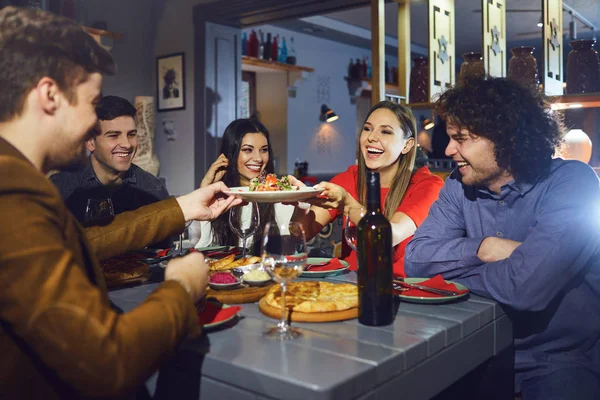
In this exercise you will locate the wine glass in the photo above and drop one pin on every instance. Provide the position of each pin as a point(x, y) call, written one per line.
point(98, 212)
point(284, 256)
point(244, 221)
point(357, 213)
point(178, 251)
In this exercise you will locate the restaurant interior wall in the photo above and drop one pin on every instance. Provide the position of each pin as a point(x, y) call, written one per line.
point(328, 148)
point(154, 28)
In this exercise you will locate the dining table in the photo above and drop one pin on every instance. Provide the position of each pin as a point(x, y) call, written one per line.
point(460, 349)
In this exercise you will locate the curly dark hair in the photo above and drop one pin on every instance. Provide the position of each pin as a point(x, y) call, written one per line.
point(516, 119)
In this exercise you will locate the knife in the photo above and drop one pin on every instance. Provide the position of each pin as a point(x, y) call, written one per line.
point(442, 292)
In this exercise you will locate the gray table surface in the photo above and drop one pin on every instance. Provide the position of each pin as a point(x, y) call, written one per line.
point(425, 350)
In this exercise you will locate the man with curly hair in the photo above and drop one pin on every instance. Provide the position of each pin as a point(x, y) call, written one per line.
point(518, 226)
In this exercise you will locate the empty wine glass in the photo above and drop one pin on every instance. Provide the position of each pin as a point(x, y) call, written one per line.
point(98, 212)
point(355, 213)
point(284, 256)
point(244, 221)
point(178, 251)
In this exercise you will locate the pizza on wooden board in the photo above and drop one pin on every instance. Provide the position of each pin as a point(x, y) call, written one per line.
point(117, 269)
point(315, 297)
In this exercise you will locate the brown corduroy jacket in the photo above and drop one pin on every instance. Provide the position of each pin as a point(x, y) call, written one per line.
point(59, 337)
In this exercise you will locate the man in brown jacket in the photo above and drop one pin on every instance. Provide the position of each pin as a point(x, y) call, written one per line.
point(59, 337)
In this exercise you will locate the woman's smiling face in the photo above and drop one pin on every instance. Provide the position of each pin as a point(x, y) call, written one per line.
point(253, 156)
point(382, 141)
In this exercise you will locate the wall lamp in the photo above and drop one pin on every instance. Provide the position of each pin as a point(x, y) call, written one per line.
point(327, 114)
point(427, 123)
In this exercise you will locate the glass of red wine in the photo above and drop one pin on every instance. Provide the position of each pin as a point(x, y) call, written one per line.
point(98, 212)
point(352, 214)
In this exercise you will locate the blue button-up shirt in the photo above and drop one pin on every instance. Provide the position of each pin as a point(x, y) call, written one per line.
point(550, 285)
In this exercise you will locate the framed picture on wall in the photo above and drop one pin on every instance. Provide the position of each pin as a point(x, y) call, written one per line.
point(170, 82)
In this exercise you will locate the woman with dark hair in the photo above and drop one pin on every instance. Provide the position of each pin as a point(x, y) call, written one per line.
point(387, 145)
point(245, 153)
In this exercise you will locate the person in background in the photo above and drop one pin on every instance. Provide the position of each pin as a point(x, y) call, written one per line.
point(515, 225)
point(59, 336)
point(246, 143)
point(110, 173)
point(387, 145)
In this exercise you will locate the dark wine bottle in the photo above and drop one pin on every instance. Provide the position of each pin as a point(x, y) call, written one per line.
point(374, 248)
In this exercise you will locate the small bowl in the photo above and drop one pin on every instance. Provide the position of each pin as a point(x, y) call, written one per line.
point(225, 286)
point(254, 282)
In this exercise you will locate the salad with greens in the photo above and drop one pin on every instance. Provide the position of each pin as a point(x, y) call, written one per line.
point(270, 183)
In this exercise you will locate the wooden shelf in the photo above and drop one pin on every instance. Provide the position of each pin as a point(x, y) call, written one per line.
point(420, 106)
point(260, 65)
point(574, 101)
point(388, 86)
point(100, 32)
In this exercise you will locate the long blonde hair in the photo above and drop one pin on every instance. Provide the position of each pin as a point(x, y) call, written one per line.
point(406, 162)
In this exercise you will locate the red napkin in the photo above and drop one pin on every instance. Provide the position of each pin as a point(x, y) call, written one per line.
point(213, 313)
point(162, 253)
point(332, 265)
point(437, 282)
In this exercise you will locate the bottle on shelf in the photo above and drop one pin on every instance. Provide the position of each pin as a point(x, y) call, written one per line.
point(291, 58)
point(267, 48)
point(369, 69)
point(275, 48)
point(375, 273)
point(261, 44)
point(253, 44)
point(244, 44)
point(351, 69)
point(364, 68)
point(283, 51)
point(358, 69)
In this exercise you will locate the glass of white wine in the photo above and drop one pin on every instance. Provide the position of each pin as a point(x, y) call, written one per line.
point(284, 256)
point(355, 213)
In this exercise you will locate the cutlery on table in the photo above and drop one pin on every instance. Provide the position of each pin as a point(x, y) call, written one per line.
point(443, 292)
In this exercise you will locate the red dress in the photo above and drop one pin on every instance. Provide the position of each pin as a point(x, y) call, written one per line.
point(422, 191)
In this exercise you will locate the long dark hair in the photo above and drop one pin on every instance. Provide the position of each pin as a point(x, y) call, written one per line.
point(406, 162)
point(230, 146)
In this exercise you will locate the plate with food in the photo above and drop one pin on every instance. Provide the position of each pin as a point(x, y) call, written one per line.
point(267, 188)
point(245, 284)
point(322, 267)
point(230, 262)
point(312, 301)
point(122, 271)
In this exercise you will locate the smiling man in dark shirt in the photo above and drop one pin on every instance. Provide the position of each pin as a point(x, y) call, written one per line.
point(110, 172)
point(517, 225)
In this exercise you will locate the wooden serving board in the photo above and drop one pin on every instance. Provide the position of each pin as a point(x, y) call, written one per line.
point(330, 316)
point(245, 294)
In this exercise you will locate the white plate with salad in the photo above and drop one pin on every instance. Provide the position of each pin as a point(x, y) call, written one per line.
point(269, 189)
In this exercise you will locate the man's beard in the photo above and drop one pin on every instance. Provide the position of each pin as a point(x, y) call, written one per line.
point(76, 163)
